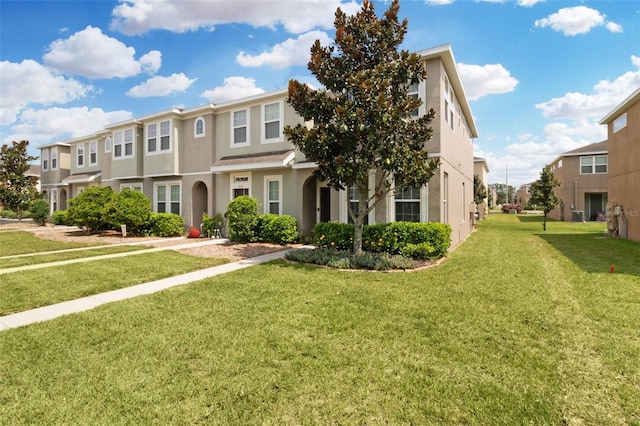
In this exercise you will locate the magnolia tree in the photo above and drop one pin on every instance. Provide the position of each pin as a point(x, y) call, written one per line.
point(17, 190)
point(364, 120)
point(542, 192)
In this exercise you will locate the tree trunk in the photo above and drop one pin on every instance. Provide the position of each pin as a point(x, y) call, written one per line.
point(544, 224)
point(358, 220)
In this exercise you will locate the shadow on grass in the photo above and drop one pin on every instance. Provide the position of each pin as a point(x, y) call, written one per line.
point(596, 252)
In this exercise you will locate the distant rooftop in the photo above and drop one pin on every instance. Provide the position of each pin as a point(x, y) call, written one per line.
point(588, 149)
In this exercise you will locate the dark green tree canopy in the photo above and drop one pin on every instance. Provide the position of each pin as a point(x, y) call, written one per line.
point(364, 119)
point(542, 193)
point(479, 190)
point(17, 190)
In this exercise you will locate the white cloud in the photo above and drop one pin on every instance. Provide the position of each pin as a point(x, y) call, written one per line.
point(161, 86)
point(290, 52)
point(607, 95)
point(485, 80)
point(576, 20)
point(28, 82)
point(92, 54)
point(438, 2)
point(47, 125)
point(528, 3)
point(233, 88)
point(139, 16)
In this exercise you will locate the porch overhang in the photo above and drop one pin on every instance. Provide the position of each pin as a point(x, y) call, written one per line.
point(267, 160)
point(82, 178)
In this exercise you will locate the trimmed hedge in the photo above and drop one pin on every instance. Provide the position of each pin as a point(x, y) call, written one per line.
point(429, 240)
point(273, 228)
point(61, 217)
point(242, 219)
point(165, 225)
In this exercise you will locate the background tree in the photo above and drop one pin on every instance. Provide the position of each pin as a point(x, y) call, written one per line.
point(479, 190)
point(542, 192)
point(501, 193)
point(17, 190)
point(363, 118)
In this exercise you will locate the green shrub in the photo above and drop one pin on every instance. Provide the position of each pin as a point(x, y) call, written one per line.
point(8, 214)
point(277, 229)
point(211, 223)
point(333, 235)
point(399, 234)
point(343, 259)
point(130, 208)
point(40, 211)
point(61, 217)
point(87, 209)
point(374, 238)
point(165, 225)
point(242, 219)
point(418, 251)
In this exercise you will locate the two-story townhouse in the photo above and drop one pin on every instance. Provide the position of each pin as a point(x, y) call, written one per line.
point(623, 129)
point(582, 174)
point(481, 169)
point(197, 160)
point(523, 195)
point(55, 165)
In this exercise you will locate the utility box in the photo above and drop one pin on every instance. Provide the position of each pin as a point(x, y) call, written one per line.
point(578, 216)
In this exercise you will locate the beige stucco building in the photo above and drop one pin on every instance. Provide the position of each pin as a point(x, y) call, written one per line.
point(582, 174)
point(190, 161)
point(481, 169)
point(623, 129)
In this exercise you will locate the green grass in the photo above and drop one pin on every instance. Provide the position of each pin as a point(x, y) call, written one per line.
point(36, 259)
point(512, 329)
point(21, 242)
point(24, 290)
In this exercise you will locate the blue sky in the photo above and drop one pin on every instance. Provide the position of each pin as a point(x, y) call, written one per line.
point(539, 75)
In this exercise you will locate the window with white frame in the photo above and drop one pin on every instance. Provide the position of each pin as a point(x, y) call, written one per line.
point(449, 102)
point(273, 194)
point(198, 127)
point(271, 125)
point(45, 159)
point(354, 203)
point(620, 122)
point(131, 186)
point(159, 132)
point(407, 204)
point(167, 197)
point(165, 135)
point(240, 127)
point(593, 164)
point(93, 153)
point(240, 185)
point(107, 145)
point(54, 158)
point(123, 143)
point(152, 137)
point(80, 155)
point(413, 91)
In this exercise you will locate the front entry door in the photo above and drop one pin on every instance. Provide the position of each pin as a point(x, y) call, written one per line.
point(325, 204)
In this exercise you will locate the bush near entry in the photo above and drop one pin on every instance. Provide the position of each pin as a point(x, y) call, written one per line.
point(418, 240)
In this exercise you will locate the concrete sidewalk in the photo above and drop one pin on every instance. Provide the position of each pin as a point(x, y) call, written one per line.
point(78, 305)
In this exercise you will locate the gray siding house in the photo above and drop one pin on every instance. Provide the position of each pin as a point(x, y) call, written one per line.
point(190, 161)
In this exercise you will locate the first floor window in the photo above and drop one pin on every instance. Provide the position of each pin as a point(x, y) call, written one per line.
point(54, 200)
point(273, 194)
point(407, 202)
point(131, 186)
point(168, 198)
point(240, 185)
point(354, 203)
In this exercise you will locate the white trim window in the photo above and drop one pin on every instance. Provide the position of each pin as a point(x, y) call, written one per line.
point(413, 90)
point(167, 197)
point(240, 128)
point(272, 122)
point(593, 164)
point(131, 186)
point(354, 202)
point(107, 144)
point(54, 158)
point(159, 132)
point(45, 159)
point(93, 153)
point(199, 128)
point(240, 185)
point(620, 123)
point(407, 204)
point(123, 144)
point(80, 155)
point(273, 194)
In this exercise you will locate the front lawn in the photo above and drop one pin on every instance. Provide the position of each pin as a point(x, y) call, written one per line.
point(511, 329)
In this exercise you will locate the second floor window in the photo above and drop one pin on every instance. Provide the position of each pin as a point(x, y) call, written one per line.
point(199, 127)
point(159, 137)
point(54, 158)
point(271, 122)
point(107, 145)
point(594, 164)
point(412, 90)
point(93, 153)
point(45, 159)
point(123, 143)
point(80, 155)
point(239, 127)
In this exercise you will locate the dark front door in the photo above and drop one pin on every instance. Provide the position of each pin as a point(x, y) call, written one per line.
point(325, 204)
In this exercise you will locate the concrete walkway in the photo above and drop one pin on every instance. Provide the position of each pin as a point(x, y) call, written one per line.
point(85, 303)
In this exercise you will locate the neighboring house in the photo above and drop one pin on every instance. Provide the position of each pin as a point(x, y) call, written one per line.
point(523, 195)
point(623, 129)
point(493, 196)
point(35, 171)
point(582, 174)
point(190, 161)
point(481, 169)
